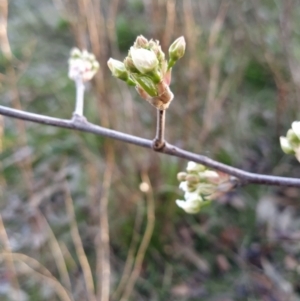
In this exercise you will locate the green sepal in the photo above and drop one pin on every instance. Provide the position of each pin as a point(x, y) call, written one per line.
point(146, 83)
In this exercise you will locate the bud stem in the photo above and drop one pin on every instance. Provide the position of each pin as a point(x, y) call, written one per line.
point(171, 63)
point(79, 96)
point(159, 141)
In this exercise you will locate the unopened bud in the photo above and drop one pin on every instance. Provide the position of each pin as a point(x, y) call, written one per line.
point(129, 65)
point(206, 189)
point(183, 186)
point(292, 137)
point(95, 66)
point(156, 48)
point(176, 51)
point(141, 42)
point(75, 53)
point(117, 69)
point(82, 65)
point(191, 187)
point(191, 205)
point(192, 179)
point(85, 54)
point(195, 167)
point(286, 146)
point(210, 176)
point(181, 176)
point(144, 60)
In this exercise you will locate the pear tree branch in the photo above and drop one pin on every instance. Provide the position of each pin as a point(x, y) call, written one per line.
point(80, 124)
point(159, 141)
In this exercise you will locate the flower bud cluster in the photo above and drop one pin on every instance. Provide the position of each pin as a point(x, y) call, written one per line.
point(291, 143)
point(146, 68)
point(82, 65)
point(200, 185)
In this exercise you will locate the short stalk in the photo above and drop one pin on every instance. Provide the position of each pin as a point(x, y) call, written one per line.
point(159, 141)
point(79, 97)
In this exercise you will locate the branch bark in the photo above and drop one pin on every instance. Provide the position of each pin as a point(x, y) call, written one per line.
point(159, 141)
point(245, 177)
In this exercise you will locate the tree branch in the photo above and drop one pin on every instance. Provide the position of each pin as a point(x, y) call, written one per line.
point(85, 126)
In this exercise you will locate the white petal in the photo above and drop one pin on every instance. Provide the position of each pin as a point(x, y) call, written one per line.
point(189, 207)
point(192, 196)
point(144, 60)
point(191, 166)
point(183, 186)
point(206, 189)
point(285, 145)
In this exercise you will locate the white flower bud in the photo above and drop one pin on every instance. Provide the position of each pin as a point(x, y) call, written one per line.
point(181, 176)
point(75, 53)
point(85, 54)
point(183, 186)
point(82, 65)
point(210, 176)
point(117, 69)
point(177, 49)
point(190, 196)
point(144, 60)
point(206, 189)
point(96, 65)
point(76, 68)
point(191, 207)
point(285, 145)
point(192, 166)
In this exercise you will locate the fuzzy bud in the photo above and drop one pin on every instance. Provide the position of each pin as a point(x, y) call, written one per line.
point(181, 176)
point(176, 51)
point(141, 42)
point(191, 206)
point(192, 179)
point(82, 65)
point(210, 176)
point(129, 65)
point(286, 146)
point(144, 60)
point(194, 167)
point(75, 53)
point(117, 69)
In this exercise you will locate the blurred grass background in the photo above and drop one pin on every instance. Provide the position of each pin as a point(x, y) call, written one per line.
point(76, 223)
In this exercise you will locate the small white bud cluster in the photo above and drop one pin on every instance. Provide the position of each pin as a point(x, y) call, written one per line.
point(146, 68)
point(291, 143)
point(82, 65)
point(200, 185)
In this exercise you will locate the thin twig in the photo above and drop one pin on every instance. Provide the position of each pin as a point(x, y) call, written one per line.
point(145, 241)
point(9, 260)
point(29, 264)
point(103, 249)
point(131, 253)
point(57, 254)
point(244, 176)
point(86, 269)
point(159, 141)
